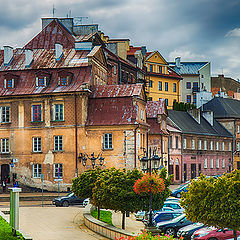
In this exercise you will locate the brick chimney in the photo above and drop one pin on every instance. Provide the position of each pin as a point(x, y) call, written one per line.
point(8, 54)
point(178, 62)
point(208, 115)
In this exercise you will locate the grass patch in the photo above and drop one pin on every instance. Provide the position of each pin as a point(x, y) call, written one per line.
point(6, 231)
point(105, 216)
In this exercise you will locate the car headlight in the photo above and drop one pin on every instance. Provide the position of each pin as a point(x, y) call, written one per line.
point(200, 235)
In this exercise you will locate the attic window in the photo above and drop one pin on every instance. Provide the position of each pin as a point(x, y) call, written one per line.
point(9, 83)
point(64, 80)
point(41, 81)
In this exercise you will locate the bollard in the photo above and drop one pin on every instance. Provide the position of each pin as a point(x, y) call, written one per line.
point(14, 208)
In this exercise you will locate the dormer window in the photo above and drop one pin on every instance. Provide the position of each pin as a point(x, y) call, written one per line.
point(64, 78)
point(10, 80)
point(10, 83)
point(41, 81)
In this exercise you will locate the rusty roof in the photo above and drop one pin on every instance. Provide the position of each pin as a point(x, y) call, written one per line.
point(54, 32)
point(153, 108)
point(132, 50)
point(43, 58)
point(115, 91)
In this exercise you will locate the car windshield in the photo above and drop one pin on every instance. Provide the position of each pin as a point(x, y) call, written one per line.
point(70, 194)
point(179, 218)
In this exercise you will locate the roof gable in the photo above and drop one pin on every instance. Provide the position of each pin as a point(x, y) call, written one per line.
point(53, 33)
point(156, 57)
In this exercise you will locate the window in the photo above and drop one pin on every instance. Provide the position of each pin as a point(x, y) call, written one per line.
point(217, 146)
point(205, 144)
point(217, 163)
point(166, 86)
point(160, 86)
point(176, 142)
point(195, 87)
point(150, 83)
point(107, 141)
point(37, 144)
point(170, 142)
point(193, 144)
point(58, 143)
point(4, 145)
point(37, 170)
point(63, 81)
point(238, 146)
point(150, 68)
point(223, 163)
point(166, 146)
point(223, 146)
point(36, 113)
point(189, 100)
point(200, 145)
point(58, 112)
point(205, 163)
point(211, 163)
point(160, 69)
point(230, 147)
point(58, 170)
point(238, 128)
point(166, 101)
point(114, 69)
point(5, 114)
point(10, 83)
point(194, 99)
point(184, 143)
point(174, 87)
point(41, 81)
point(211, 145)
point(188, 85)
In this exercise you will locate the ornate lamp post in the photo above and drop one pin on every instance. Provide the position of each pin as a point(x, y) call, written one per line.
point(149, 162)
point(83, 157)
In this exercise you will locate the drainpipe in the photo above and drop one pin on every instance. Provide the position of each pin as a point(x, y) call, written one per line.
point(234, 143)
point(135, 146)
point(162, 148)
point(76, 137)
point(119, 73)
point(182, 158)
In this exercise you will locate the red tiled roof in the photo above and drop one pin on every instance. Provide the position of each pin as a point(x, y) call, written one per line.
point(111, 111)
point(43, 58)
point(52, 33)
point(25, 84)
point(153, 108)
point(115, 91)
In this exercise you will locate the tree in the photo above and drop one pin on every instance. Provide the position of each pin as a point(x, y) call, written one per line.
point(214, 202)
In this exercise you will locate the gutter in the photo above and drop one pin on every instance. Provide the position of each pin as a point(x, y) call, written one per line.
point(76, 136)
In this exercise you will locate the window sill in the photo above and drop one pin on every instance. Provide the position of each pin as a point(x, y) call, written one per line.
point(2, 123)
point(36, 121)
point(57, 151)
point(107, 149)
point(36, 177)
point(57, 120)
point(36, 152)
point(5, 153)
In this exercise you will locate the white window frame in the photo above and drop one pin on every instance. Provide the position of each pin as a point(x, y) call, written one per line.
point(205, 163)
point(108, 141)
point(205, 144)
point(223, 146)
point(223, 163)
point(211, 145)
point(58, 112)
point(166, 146)
point(230, 146)
point(238, 146)
point(36, 170)
point(217, 163)
point(58, 143)
point(58, 166)
point(238, 128)
point(5, 114)
point(184, 143)
point(199, 144)
point(211, 163)
point(193, 143)
point(217, 146)
point(5, 145)
point(36, 144)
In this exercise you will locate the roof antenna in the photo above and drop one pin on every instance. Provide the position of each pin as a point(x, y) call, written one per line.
point(53, 10)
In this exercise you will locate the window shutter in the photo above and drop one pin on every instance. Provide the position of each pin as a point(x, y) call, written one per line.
point(5, 83)
point(0, 114)
point(1, 144)
point(59, 82)
point(54, 112)
point(45, 81)
point(13, 83)
point(37, 81)
point(68, 79)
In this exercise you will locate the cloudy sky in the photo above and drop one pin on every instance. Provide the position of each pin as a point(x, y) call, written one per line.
point(195, 30)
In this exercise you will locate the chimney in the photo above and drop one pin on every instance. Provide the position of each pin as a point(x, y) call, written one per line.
point(208, 115)
point(8, 54)
point(28, 57)
point(195, 113)
point(178, 62)
point(58, 51)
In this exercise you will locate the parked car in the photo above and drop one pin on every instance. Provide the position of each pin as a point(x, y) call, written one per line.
point(171, 227)
point(140, 215)
point(86, 202)
point(213, 233)
point(178, 191)
point(65, 201)
point(165, 216)
point(172, 199)
point(187, 231)
point(174, 205)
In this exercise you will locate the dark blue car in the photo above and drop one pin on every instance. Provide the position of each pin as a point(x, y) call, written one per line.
point(178, 191)
point(165, 216)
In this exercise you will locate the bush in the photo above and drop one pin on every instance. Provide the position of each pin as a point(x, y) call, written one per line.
point(105, 216)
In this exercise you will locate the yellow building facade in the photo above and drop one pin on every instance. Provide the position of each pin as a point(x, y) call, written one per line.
point(163, 82)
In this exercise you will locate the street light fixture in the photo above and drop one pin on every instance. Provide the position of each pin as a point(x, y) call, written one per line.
point(83, 158)
point(147, 161)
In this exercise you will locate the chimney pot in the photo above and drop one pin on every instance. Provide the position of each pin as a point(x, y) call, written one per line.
point(58, 51)
point(8, 54)
point(178, 62)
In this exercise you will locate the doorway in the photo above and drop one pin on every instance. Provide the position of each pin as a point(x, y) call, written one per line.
point(193, 170)
point(5, 171)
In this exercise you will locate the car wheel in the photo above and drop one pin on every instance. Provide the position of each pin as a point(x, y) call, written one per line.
point(178, 195)
point(65, 204)
point(170, 231)
point(213, 238)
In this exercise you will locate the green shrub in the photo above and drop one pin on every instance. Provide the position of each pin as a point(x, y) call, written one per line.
point(105, 216)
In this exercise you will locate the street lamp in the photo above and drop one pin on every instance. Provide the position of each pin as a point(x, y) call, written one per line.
point(83, 158)
point(150, 161)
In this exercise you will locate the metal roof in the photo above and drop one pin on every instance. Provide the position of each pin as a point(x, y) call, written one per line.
point(188, 125)
point(153, 108)
point(224, 107)
point(188, 67)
